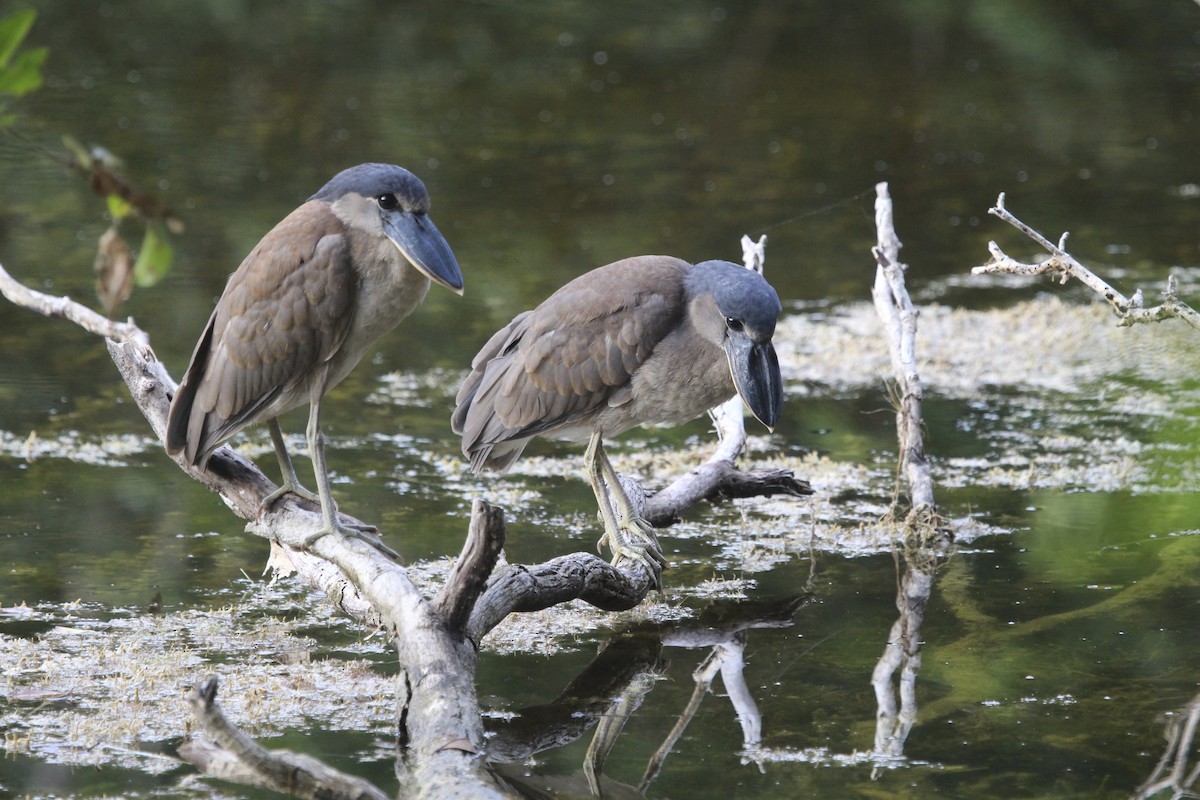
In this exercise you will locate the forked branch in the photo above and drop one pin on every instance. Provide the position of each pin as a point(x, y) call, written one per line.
point(1060, 263)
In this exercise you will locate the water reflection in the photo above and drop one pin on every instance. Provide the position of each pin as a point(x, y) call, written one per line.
point(607, 694)
point(894, 719)
point(1172, 773)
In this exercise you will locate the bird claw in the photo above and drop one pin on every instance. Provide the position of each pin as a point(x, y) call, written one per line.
point(364, 533)
point(287, 488)
point(634, 539)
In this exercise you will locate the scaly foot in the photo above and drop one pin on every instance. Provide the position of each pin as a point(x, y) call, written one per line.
point(634, 539)
point(364, 533)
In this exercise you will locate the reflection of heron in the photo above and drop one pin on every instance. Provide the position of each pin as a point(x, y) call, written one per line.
point(646, 340)
point(300, 312)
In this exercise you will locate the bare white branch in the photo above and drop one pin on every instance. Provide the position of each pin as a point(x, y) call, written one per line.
point(1063, 265)
point(899, 316)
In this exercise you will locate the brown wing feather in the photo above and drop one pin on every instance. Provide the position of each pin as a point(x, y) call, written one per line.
point(285, 311)
point(552, 367)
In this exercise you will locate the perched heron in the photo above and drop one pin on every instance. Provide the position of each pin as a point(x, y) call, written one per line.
point(300, 312)
point(646, 340)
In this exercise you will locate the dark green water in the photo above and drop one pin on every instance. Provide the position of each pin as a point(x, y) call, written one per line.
point(555, 138)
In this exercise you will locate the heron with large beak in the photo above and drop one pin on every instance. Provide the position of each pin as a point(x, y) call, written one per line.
point(646, 340)
point(300, 312)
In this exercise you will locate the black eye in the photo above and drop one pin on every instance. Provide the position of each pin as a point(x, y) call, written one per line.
point(388, 202)
point(734, 325)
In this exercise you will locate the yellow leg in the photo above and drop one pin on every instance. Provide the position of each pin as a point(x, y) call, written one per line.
point(324, 494)
point(289, 481)
point(627, 534)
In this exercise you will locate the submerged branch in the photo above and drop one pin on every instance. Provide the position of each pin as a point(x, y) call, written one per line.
point(1129, 311)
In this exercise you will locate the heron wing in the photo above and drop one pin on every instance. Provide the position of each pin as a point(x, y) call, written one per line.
point(285, 311)
point(552, 367)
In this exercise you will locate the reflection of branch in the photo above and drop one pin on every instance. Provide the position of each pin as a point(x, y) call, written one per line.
point(1063, 264)
point(626, 667)
point(1168, 773)
point(732, 656)
point(612, 722)
point(726, 634)
point(903, 651)
point(585, 700)
point(703, 675)
point(728, 658)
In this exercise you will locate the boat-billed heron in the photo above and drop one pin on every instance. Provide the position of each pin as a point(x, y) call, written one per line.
point(300, 312)
point(646, 340)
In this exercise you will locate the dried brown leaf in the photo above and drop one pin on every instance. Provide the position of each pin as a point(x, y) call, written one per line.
point(114, 271)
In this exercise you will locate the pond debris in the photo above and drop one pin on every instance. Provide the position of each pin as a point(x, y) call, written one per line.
point(1047, 342)
point(114, 450)
point(97, 686)
point(416, 389)
point(825, 757)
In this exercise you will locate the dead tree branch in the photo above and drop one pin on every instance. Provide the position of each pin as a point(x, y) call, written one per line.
point(234, 756)
point(899, 317)
point(1129, 311)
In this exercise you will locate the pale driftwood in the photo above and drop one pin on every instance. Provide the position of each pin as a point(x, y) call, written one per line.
point(66, 308)
point(1129, 310)
point(439, 722)
point(899, 317)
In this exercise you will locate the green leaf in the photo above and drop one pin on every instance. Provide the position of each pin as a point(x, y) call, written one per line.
point(12, 32)
point(154, 259)
point(24, 74)
point(118, 207)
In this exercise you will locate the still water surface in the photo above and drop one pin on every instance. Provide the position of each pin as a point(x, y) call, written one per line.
point(555, 138)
